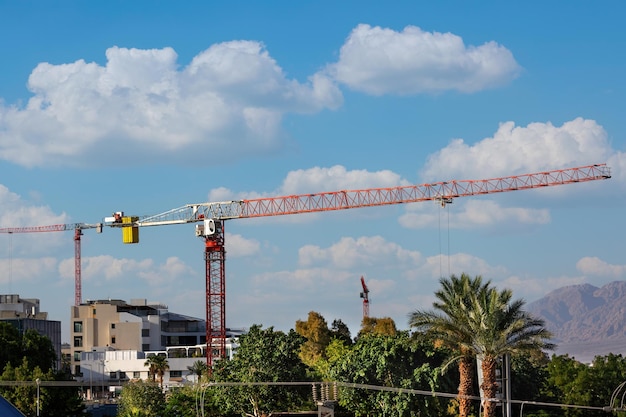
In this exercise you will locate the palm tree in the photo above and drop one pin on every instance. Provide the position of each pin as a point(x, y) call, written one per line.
point(500, 326)
point(198, 368)
point(448, 324)
point(157, 366)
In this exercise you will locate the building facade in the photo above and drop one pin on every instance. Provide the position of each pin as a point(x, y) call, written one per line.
point(115, 325)
point(104, 371)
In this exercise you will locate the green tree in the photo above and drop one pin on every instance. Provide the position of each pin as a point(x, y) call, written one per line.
point(339, 330)
point(529, 372)
point(198, 368)
point(185, 402)
point(377, 326)
point(447, 323)
point(33, 358)
point(11, 343)
point(572, 382)
point(500, 326)
point(315, 331)
point(264, 355)
point(393, 362)
point(23, 397)
point(157, 366)
point(15, 346)
point(141, 399)
point(336, 349)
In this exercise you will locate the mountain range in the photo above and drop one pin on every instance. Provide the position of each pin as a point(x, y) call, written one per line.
point(585, 320)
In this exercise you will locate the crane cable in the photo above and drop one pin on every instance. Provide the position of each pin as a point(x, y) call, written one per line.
point(443, 205)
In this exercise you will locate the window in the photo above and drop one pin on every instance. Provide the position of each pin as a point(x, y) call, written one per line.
point(145, 347)
point(136, 374)
point(176, 374)
point(113, 340)
point(113, 325)
point(94, 311)
point(77, 356)
point(145, 332)
point(78, 327)
point(113, 375)
point(78, 341)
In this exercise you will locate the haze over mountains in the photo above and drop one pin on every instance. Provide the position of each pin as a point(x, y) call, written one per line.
point(585, 320)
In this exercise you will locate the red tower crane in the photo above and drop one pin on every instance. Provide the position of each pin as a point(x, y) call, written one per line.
point(212, 215)
point(365, 297)
point(78, 232)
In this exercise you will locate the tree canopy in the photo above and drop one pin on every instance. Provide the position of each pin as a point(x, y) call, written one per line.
point(264, 355)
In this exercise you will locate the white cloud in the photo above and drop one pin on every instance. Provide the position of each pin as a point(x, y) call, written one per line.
point(517, 150)
point(532, 288)
point(350, 252)
point(106, 269)
point(380, 61)
point(591, 265)
point(336, 178)
point(444, 265)
point(300, 279)
point(472, 214)
point(18, 270)
point(316, 180)
point(23, 218)
point(230, 99)
point(238, 246)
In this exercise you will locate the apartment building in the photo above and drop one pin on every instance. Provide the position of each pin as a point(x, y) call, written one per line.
point(115, 325)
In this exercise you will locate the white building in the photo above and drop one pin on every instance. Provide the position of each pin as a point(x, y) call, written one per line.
point(106, 370)
point(111, 340)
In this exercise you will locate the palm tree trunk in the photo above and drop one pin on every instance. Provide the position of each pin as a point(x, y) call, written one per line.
point(466, 373)
point(489, 387)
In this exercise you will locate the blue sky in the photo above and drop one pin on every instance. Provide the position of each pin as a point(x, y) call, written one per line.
point(144, 106)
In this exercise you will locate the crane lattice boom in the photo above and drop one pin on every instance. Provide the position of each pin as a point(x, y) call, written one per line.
point(342, 200)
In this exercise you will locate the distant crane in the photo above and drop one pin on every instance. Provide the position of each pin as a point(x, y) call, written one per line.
point(78, 232)
point(212, 216)
point(365, 297)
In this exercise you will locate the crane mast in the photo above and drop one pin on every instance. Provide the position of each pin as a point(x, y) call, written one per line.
point(365, 297)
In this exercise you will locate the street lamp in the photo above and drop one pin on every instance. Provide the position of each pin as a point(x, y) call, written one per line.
point(37, 381)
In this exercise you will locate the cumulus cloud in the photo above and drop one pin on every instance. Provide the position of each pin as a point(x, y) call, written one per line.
point(350, 252)
point(299, 279)
point(229, 100)
point(515, 150)
point(444, 265)
point(105, 269)
point(597, 267)
point(520, 150)
point(239, 246)
point(23, 217)
point(317, 179)
point(472, 214)
point(26, 269)
point(380, 61)
point(531, 288)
